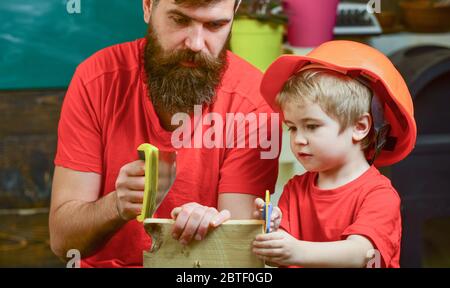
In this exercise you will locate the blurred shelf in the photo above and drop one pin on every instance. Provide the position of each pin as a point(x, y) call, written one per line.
point(390, 43)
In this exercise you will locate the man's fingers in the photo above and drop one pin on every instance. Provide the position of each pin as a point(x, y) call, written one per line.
point(205, 223)
point(223, 216)
point(130, 211)
point(136, 208)
point(136, 168)
point(136, 183)
point(181, 214)
point(193, 219)
point(135, 197)
point(188, 206)
point(192, 224)
point(175, 212)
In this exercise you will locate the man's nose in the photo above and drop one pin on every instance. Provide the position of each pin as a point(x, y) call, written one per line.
point(195, 41)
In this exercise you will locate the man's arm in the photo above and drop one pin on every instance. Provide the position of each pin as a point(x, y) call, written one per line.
point(79, 219)
point(241, 206)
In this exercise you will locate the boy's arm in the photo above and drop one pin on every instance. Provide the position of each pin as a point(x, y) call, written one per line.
point(354, 252)
point(283, 249)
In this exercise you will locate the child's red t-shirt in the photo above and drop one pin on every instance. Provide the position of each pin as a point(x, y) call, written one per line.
point(368, 206)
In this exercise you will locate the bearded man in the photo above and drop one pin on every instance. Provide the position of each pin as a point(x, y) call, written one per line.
point(126, 95)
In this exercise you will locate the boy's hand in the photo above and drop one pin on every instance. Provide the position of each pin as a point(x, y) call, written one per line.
point(275, 220)
point(277, 248)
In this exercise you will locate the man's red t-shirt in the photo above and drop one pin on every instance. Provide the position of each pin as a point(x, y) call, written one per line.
point(107, 114)
point(367, 206)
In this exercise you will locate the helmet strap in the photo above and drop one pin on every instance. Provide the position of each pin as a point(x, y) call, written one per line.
point(381, 127)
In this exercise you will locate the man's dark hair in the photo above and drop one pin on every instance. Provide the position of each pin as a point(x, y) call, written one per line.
point(195, 3)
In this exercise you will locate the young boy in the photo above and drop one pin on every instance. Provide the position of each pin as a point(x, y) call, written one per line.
point(348, 111)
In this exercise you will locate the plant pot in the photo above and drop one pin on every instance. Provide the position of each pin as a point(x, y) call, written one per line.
point(387, 19)
point(257, 42)
point(422, 16)
point(311, 23)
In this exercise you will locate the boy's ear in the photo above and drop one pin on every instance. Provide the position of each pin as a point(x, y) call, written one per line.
point(147, 6)
point(362, 127)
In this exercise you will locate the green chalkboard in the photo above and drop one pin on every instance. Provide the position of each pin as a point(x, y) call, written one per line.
point(42, 41)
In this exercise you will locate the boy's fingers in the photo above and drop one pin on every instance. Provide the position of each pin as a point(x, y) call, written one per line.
point(276, 213)
point(259, 203)
point(267, 244)
point(267, 253)
point(272, 262)
point(269, 236)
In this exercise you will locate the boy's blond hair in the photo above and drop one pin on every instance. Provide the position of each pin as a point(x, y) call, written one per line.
point(339, 96)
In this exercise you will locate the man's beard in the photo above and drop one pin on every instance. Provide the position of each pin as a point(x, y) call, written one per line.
point(175, 88)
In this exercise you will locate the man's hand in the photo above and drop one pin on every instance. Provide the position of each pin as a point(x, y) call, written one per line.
point(277, 248)
point(275, 220)
point(193, 221)
point(130, 190)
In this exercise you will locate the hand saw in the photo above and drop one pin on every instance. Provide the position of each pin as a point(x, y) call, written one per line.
point(160, 171)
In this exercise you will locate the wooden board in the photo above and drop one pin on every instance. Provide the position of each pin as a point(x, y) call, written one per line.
point(228, 246)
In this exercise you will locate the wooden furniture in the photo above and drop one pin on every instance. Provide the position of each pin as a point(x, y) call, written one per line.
point(28, 133)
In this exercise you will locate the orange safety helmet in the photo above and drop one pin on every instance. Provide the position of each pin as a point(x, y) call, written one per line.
point(395, 127)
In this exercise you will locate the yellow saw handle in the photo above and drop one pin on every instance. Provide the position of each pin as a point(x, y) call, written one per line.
point(150, 154)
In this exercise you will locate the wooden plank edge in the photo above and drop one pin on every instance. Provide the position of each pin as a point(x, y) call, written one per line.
point(229, 222)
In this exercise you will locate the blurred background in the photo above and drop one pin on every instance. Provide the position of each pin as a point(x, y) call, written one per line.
point(42, 42)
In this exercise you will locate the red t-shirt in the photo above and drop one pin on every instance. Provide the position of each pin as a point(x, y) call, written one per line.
point(107, 114)
point(367, 206)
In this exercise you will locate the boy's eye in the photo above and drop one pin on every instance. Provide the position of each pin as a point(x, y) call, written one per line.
point(311, 126)
point(291, 129)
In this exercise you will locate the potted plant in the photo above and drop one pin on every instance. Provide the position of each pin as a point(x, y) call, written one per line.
point(258, 31)
point(311, 22)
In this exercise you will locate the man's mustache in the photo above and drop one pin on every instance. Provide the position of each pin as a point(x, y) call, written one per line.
point(198, 58)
